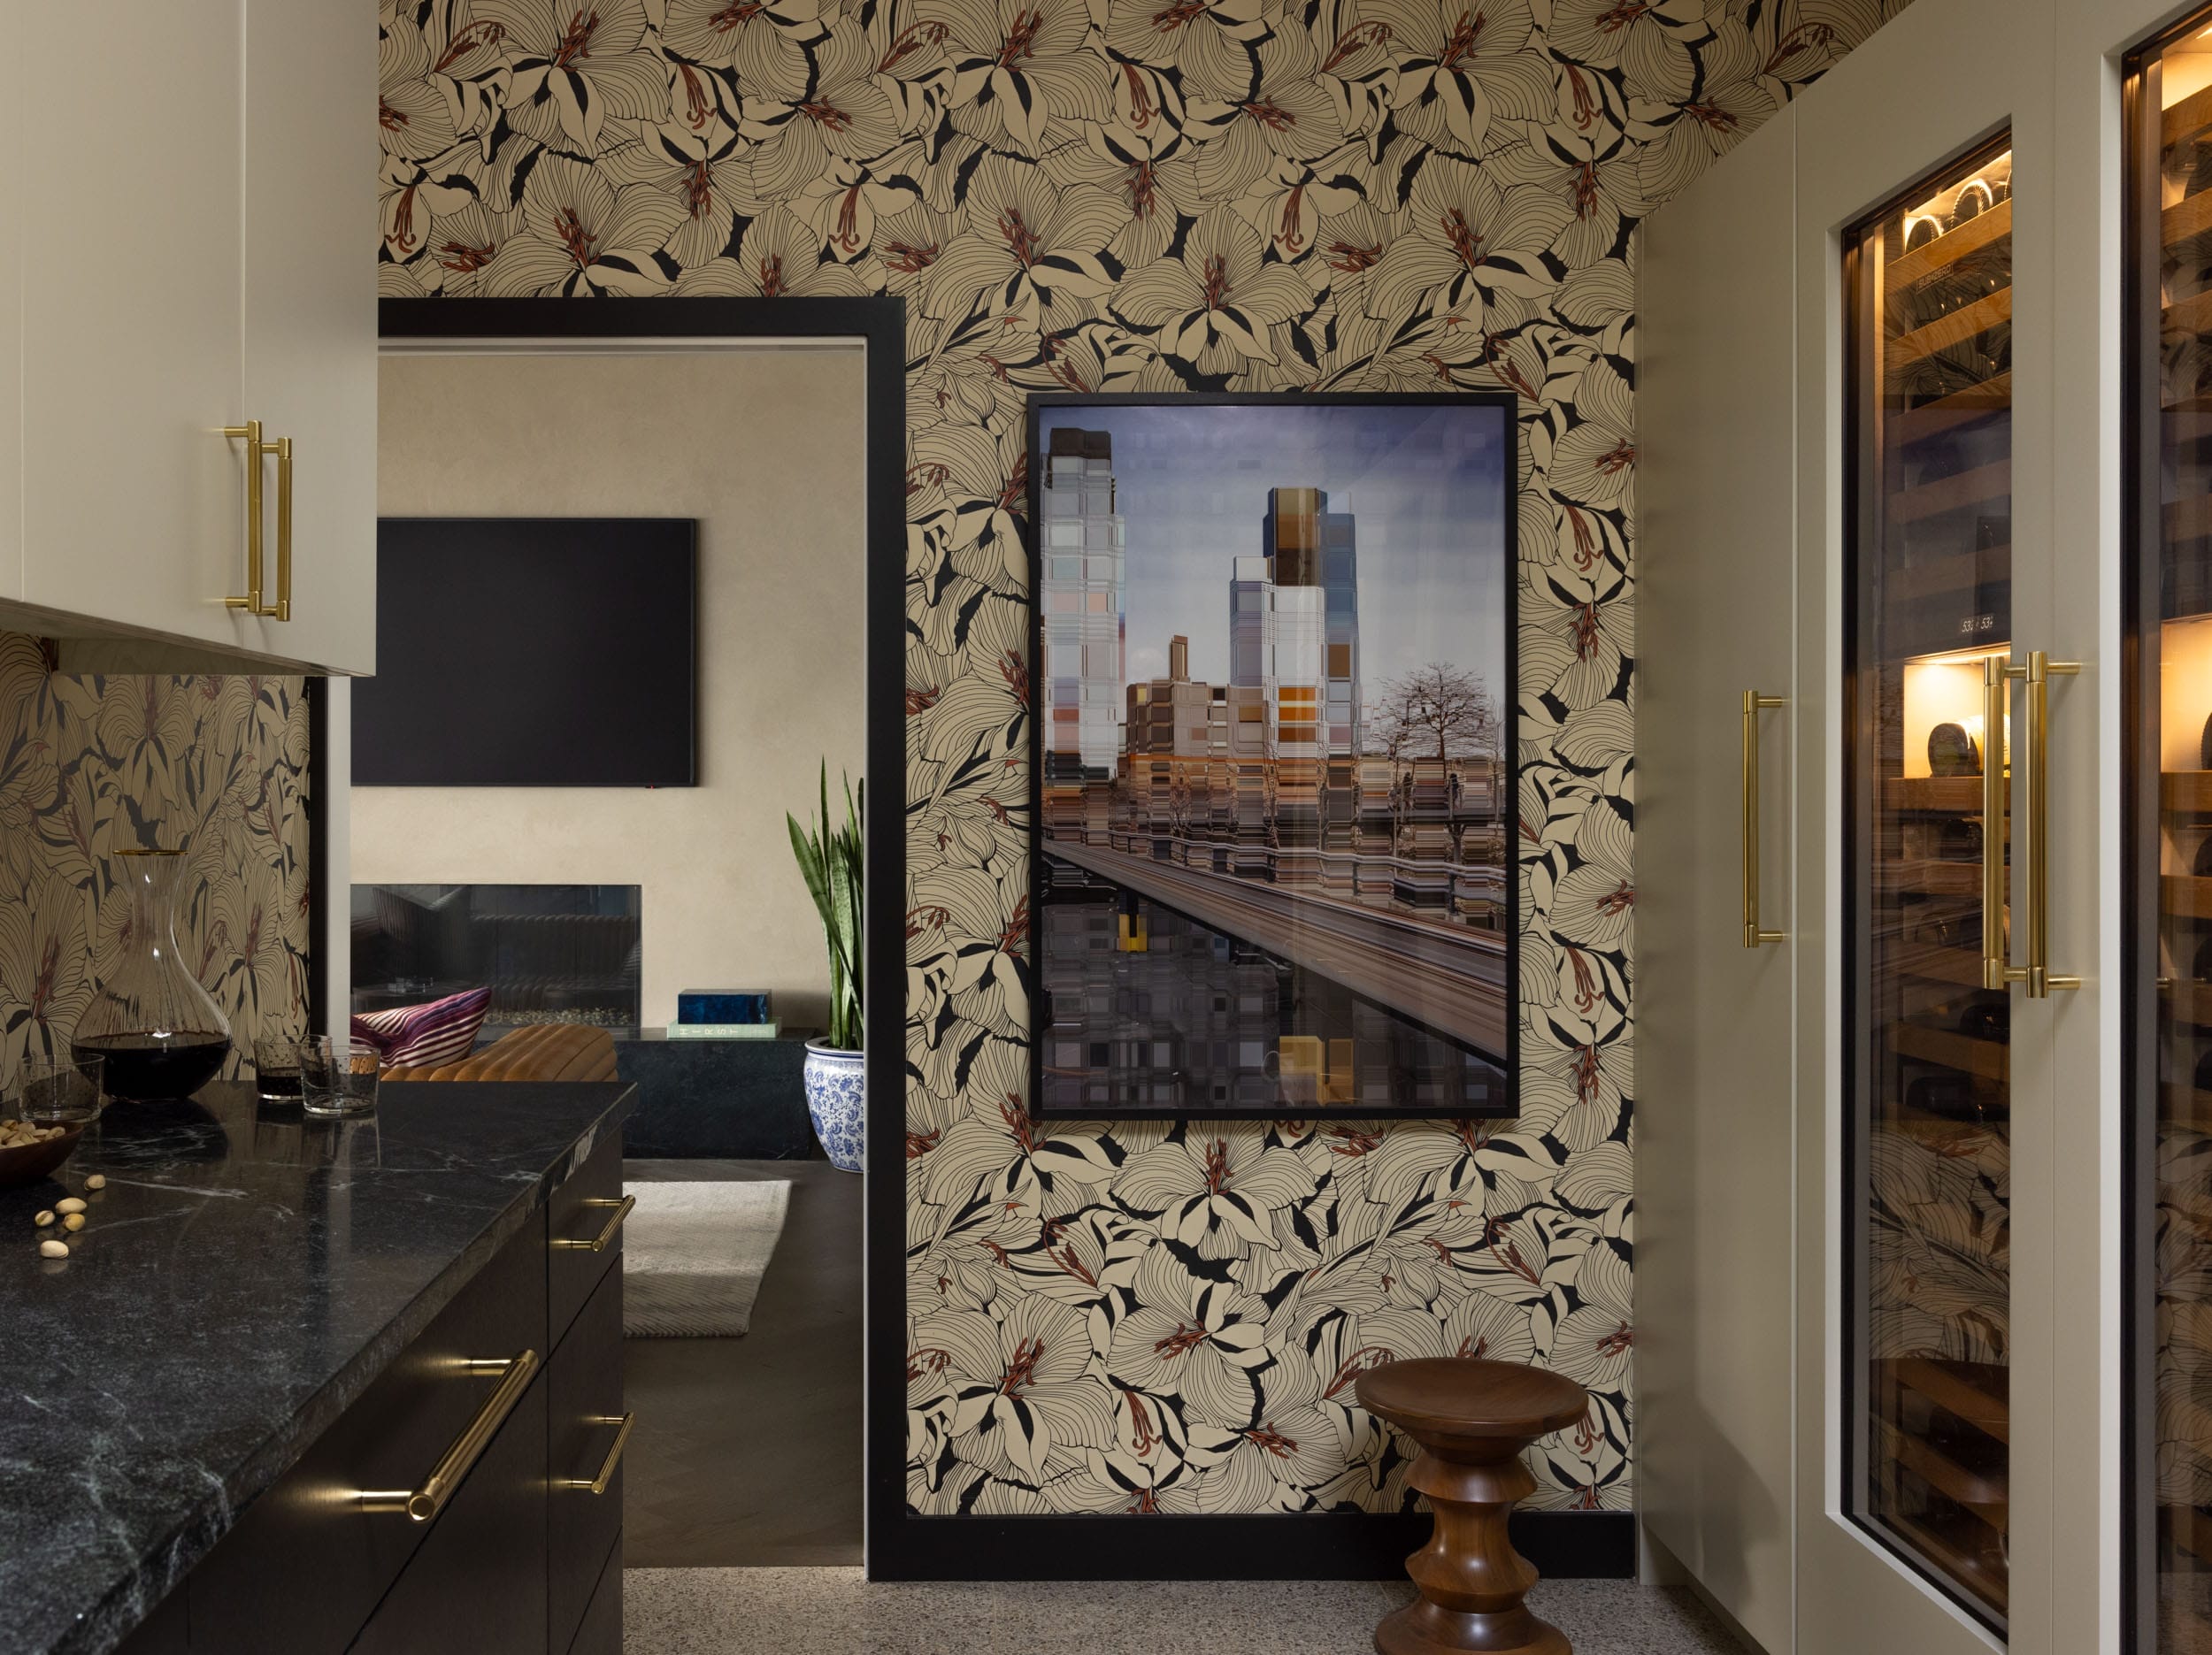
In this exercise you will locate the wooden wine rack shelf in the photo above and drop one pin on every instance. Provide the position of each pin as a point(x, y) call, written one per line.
point(2186, 895)
point(1932, 963)
point(2186, 118)
point(1931, 877)
point(2188, 217)
point(2189, 1529)
point(2191, 315)
point(1989, 1059)
point(1975, 233)
point(1980, 1493)
point(1992, 395)
point(1946, 331)
point(1968, 1569)
point(1957, 1390)
point(2189, 1003)
point(2185, 790)
point(1952, 795)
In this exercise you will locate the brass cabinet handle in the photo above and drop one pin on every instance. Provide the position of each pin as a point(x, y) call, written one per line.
point(250, 435)
point(1753, 702)
point(2036, 822)
point(282, 609)
point(2032, 821)
point(1997, 968)
point(425, 1503)
point(256, 547)
point(598, 1484)
point(598, 1242)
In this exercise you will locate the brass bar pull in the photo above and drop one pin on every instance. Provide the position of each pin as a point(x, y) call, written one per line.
point(1753, 702)
point(250, 435)
point(425, 1503)
point(282, 609)
point(598, 1484)
point(1997, 968)
point(2036, 824)
point(598, 1242)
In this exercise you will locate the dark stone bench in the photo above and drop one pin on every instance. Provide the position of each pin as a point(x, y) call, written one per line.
point(738, 1100)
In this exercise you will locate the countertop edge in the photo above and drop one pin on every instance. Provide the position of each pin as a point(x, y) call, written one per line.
point(102, 1628)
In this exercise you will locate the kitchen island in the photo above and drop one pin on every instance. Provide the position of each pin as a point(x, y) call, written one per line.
point(263, 1311)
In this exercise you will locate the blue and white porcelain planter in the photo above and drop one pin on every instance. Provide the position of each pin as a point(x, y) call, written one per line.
point(837, 1098)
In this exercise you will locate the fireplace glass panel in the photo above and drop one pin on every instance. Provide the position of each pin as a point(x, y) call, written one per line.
point(549, 953)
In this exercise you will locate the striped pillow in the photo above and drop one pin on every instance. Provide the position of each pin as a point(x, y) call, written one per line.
point(423, 1037)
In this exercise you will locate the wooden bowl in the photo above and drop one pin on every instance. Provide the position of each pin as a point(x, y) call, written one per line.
point(33, 1161)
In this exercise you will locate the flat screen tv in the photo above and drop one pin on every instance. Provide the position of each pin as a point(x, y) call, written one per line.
point(531, 652)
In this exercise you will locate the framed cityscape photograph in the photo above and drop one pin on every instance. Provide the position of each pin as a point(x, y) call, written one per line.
point(1273, 755)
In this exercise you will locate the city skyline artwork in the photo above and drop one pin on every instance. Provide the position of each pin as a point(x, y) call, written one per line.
point(1272, 688)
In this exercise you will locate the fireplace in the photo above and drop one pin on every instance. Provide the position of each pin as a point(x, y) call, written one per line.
point(549, 953)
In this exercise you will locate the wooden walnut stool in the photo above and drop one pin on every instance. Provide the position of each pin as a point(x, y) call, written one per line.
point(1473, 1419)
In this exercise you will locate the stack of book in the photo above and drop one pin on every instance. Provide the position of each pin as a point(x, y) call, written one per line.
point(722, 1013)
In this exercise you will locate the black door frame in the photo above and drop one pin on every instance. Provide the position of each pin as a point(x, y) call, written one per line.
point(903, 1544)
point(879, 323)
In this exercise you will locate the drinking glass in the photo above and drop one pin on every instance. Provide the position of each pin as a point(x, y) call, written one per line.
point(337, 1076)
point(276, 1064)
point(63, 1091)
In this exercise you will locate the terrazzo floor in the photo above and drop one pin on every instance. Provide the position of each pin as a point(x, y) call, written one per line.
point(831, 1611)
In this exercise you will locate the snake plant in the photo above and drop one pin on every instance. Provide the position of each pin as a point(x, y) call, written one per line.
point(830, 862)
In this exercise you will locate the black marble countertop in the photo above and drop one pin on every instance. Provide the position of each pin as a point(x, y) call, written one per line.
point(242, 1278)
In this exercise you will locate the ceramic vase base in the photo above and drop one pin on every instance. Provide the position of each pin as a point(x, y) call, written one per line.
point(836, 1101)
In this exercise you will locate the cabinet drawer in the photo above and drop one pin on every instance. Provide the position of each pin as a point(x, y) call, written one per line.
point(601, 1632)
point(477, 1582)
point(305, 1564)
point(584, 1401)
point(587, 1209)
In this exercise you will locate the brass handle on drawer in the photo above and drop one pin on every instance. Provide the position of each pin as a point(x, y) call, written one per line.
point(250, 435)
point(598, 1484)
point(425, 1503)
point(2036, 824)
point(282, 609)
point(598, 1242)
point(1753, 702)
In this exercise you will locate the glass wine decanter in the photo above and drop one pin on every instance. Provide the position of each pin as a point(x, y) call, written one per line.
point(160, 1034)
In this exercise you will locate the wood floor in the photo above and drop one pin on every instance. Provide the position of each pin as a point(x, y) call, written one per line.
point(747, 1452)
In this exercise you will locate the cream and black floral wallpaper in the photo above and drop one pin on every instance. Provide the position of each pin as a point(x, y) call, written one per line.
point(216, 767)
point(1121, 194)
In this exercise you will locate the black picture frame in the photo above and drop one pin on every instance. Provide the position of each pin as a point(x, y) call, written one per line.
point(1039, 406)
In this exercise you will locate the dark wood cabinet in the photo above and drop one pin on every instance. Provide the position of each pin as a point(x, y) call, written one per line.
point(601, 1630)
point(518, 1558)
point(583, 1226)
point(478, 1582)
point(305, 1565)
point(586, 1426)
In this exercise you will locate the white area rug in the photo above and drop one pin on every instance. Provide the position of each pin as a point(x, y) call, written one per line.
point(693, 1254)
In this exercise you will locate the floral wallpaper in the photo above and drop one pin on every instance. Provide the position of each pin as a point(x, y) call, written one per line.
point(1154, 195)
point(216, 766)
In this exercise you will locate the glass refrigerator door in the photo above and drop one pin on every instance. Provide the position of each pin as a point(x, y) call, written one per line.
point(2169, 943)
point(1927, 1025)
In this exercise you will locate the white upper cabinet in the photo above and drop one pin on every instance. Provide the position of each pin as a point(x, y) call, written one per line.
point(311, 316)
point(186, 267)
